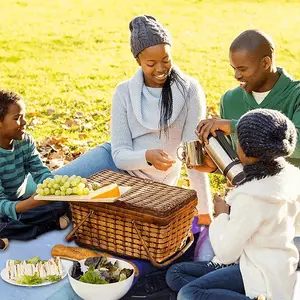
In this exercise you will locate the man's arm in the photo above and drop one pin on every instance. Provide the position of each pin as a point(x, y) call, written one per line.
point(209, 126)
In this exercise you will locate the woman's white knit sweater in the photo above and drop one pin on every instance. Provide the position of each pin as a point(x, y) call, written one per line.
point(135, 129)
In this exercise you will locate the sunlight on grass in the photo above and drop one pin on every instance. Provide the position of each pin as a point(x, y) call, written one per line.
point(69, 55)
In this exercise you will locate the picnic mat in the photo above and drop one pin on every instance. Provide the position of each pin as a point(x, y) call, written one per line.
point(62, 290)
point(42, 247)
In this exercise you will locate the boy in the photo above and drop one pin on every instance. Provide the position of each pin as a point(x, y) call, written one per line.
point(22, 217)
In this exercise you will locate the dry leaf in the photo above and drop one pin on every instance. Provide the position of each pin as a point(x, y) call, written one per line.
point(78, 115)
point(79, 143)
point(83, 136)
point(33, 114)
point(69, 123)
point(50, 111)
point(56, 155)
point(34, 121)
point(55, 163)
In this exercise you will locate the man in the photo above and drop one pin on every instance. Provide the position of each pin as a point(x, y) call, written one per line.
point(262, 85)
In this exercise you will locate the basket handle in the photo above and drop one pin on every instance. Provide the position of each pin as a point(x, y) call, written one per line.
point(71, 235)
point(172, 258)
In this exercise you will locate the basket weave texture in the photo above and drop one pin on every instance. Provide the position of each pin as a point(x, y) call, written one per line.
point(151, 219)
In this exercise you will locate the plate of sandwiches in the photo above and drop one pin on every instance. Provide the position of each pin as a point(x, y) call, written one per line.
point(34, 271)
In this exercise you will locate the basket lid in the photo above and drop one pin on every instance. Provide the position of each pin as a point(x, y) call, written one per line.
point(146, 196)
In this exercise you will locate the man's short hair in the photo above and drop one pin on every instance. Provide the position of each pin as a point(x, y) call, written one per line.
point(254, 41)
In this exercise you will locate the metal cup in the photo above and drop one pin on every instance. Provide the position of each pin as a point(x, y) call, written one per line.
point(193, 153)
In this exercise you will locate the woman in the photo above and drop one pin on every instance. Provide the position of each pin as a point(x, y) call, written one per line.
point(152, 114)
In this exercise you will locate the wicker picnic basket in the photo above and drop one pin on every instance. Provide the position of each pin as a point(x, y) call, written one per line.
point(150, 221)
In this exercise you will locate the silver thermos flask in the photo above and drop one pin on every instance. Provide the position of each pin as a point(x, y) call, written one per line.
point(226, 159)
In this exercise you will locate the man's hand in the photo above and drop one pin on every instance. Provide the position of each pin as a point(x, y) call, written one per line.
point(205, 127)
point(30, 203)
point(159, 159)
point(220, 205)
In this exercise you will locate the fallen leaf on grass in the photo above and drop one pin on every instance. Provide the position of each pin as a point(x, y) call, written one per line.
point(50, 111)
point(79, 143)
point(55, 163)
point(33, 114)
point(69, 123)
point(55, 153)
point(83, 136)
point(34, 121)
point(78, 115)
point(54, 141)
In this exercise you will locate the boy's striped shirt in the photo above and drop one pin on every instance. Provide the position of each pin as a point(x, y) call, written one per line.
point(15, 165)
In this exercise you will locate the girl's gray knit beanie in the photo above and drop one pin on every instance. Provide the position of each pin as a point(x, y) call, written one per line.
point(266, 134)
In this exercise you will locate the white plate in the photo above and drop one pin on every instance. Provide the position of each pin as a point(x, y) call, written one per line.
point(65, 266)
point(85, 198)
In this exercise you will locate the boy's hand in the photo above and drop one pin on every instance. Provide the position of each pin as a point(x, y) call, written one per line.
point(205, 127)
point(220, 205)
point(40, 202)
point(159, 159)
point(30, 203)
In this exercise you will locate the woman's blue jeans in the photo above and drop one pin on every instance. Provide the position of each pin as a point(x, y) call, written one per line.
point(206, 281)
point(91, 162)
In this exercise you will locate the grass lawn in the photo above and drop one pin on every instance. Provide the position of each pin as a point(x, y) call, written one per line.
point(66, 56)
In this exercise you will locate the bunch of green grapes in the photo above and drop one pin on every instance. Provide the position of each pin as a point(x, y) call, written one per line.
point(63, 186)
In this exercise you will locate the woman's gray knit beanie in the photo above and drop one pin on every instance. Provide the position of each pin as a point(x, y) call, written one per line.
point(146, 32)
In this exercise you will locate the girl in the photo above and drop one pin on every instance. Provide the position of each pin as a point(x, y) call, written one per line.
point(259, 230)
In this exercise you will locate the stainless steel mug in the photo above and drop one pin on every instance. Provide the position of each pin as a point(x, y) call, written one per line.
point(193, 153)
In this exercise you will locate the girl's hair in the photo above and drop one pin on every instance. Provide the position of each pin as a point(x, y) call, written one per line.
point(6, 99)
point(166, 99)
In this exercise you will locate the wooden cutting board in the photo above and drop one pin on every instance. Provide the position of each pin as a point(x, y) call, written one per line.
point(83, 198)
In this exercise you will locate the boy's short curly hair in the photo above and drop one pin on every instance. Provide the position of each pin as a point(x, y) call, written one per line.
point(6, 99)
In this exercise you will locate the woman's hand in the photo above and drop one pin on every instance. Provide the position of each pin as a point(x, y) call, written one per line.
point(159, 159)
point(220, 205)
point(205, 127)
point(30, 203)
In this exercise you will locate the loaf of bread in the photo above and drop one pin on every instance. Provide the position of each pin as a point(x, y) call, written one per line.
point(77, 253)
